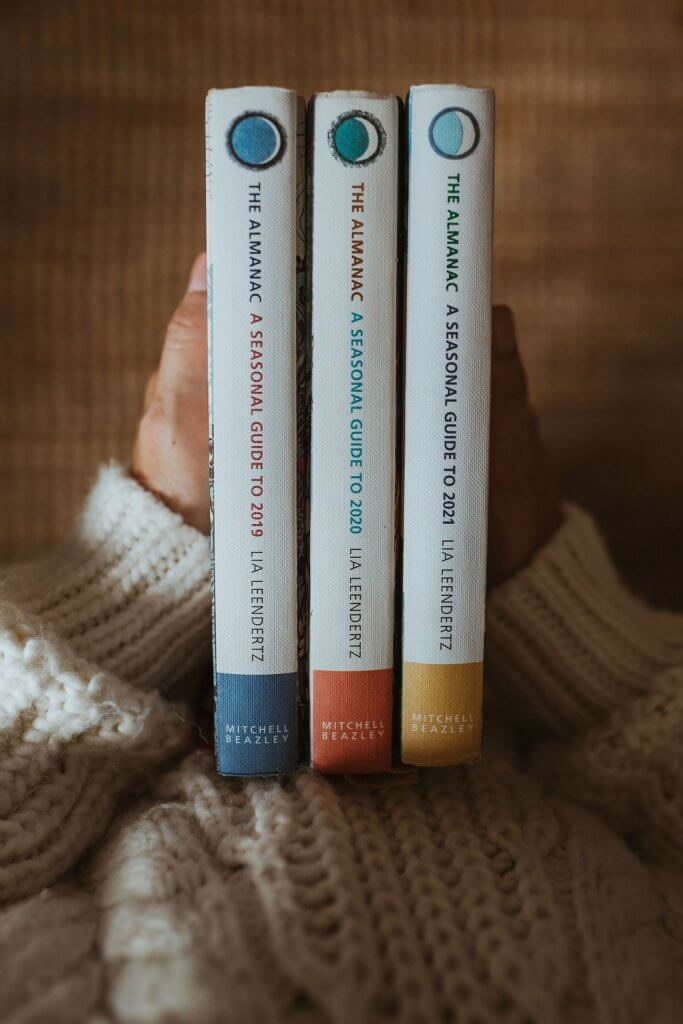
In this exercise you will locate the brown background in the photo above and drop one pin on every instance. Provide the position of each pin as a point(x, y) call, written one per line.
point(101, 178)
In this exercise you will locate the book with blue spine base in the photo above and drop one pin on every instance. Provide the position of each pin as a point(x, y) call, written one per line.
point(255, 247)
point(447, 385)
point(354, 142)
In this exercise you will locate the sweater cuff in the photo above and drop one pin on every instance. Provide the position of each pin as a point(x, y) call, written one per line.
point(129, 589)
point(566, 642)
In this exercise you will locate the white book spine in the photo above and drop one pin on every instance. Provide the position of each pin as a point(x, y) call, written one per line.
point(255, 189)
point(448, 337)
point(353, 320)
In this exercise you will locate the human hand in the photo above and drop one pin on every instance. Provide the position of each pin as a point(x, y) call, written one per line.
point(524, 504)
point(171, 452)
point(171, 449)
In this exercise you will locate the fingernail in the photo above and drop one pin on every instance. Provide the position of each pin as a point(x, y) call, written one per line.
point(504, 340)
point(197, 282)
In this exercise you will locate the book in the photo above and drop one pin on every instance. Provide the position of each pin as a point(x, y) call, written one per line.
point(447, 385)
point(255, 210)
point(354, 208)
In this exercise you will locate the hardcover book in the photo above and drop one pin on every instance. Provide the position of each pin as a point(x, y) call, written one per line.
point(255, 208)
point(447, 384)
point(354, 139)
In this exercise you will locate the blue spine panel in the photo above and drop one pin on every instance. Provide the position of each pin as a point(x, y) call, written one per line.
point(256, 724)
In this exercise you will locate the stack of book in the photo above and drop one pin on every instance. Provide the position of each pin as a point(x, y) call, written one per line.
point(349, 327)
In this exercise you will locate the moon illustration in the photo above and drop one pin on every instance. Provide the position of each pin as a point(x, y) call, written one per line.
point(454, 133)
point(256, 140)
point(357, 138)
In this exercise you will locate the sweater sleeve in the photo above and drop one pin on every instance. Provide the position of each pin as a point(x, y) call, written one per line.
point(88, 638)
point(129, 590)
point(600, 676)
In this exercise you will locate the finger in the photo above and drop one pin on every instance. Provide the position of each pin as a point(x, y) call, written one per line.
point(508, 379)
point(504, 338)
point(184, 356)
point(151, 387)
point(509, 438)
point(197, 281)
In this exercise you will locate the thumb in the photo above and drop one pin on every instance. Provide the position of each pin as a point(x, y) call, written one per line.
point(184, 356)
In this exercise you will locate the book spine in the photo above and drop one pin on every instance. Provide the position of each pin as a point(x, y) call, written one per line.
point(448, 338)
point(353, 324)
point(254, 146)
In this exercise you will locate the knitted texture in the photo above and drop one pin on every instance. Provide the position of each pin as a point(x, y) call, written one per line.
point(541, 885)
point(129, 590)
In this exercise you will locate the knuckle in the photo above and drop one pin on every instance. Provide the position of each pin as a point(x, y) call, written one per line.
point(156, 410)
point(188, 323)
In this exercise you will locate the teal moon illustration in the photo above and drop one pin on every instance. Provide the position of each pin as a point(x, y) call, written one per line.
point(357, 138)
point(454, 133)
point(256, 140)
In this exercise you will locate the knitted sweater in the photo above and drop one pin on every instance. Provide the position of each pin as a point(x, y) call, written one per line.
point(543, 884)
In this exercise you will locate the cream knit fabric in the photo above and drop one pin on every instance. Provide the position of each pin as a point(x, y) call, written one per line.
point(542, 885)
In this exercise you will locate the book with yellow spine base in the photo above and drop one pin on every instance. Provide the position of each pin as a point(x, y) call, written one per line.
point(447, 386)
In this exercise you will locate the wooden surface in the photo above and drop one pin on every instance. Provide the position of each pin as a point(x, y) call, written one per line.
point(101, 186)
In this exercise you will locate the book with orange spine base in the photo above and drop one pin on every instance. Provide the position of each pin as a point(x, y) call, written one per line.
point(354, 209)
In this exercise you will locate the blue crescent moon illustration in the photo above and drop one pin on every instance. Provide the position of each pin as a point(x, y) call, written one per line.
point(454, 133)
point(357, 138)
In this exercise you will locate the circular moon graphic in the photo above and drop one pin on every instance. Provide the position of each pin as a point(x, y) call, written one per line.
point(454, 133)
point(256, 140)
point(357, 138)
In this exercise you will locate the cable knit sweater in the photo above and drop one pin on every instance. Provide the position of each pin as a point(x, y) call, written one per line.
point(541, 885)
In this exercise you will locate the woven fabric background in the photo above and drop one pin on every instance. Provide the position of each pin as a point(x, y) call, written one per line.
point(101, 186)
